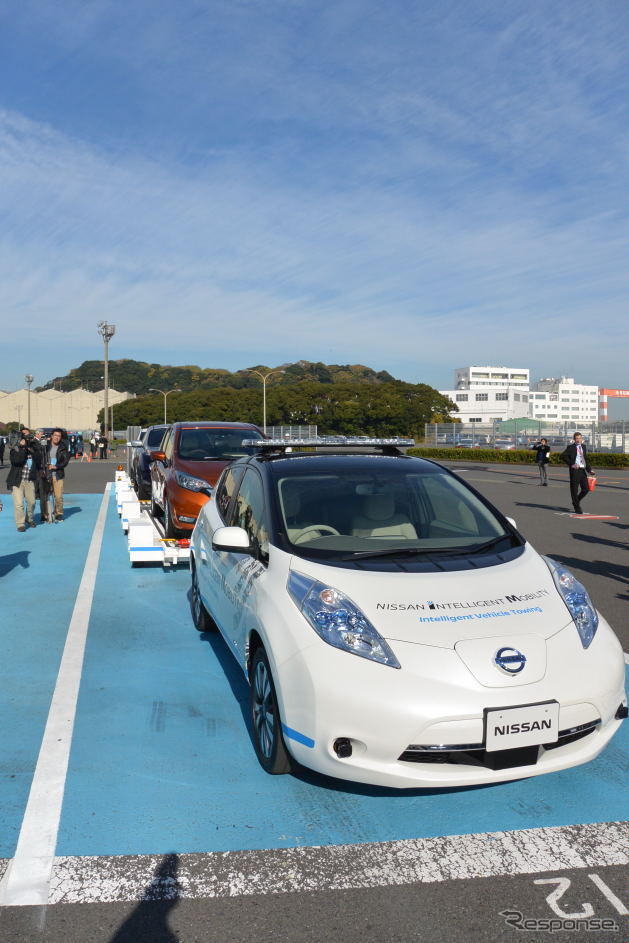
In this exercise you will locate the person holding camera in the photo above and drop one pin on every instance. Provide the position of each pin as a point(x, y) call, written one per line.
point(25, 459)
point(43, 484)
point(56, 460)
point(543, 450)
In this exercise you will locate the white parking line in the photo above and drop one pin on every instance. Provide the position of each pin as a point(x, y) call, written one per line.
point(27, 877)
point(337, 867)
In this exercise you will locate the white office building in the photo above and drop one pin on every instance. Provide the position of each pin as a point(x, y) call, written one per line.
point(562, 400)
point(467, 378)
point(490, 394)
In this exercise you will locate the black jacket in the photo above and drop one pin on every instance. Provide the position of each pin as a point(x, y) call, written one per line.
point(19, 456)
point(542, 454)
point(569, 456)
point(63, 457)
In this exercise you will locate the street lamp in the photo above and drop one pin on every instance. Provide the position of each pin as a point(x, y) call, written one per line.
point(29, 379)
point(264, 377)
point(165, 395)
point(106, 331)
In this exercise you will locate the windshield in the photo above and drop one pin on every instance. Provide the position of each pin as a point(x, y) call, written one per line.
point(199, 445)
point(390, 510)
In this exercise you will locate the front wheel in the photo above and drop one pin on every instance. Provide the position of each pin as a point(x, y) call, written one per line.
point(265, 716)
point(202, 619)
point(169, 528)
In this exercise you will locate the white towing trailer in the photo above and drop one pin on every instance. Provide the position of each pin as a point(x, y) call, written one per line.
point(145, 535)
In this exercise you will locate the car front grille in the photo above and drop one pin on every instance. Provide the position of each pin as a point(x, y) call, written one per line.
point(476, 755)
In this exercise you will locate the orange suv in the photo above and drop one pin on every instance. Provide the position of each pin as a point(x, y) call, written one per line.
point(186, 468)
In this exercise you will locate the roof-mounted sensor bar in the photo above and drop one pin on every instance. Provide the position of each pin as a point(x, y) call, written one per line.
point(391, 445)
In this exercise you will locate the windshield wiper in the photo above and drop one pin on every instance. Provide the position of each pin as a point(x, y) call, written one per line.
point(402, 551)
point(490, 543)
point(425, 551)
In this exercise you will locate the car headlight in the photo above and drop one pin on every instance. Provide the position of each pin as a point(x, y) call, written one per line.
point(338, 621)
point(576, 598)
point(191, 483)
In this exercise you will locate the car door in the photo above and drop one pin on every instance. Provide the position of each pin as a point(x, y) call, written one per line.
point(239, 572)
point(209, 563)
point(158, 469)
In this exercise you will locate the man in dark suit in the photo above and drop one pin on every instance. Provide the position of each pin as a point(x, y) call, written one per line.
point(575, 457)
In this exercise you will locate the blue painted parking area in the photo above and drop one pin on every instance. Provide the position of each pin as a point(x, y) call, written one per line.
point(161, 758)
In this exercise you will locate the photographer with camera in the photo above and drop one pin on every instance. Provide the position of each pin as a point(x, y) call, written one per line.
point(543, 451)
point(25, 459)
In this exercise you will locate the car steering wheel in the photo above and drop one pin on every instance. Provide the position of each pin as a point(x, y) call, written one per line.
point(319, 529)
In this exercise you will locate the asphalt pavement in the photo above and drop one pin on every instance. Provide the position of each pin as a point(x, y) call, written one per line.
point(170, 831)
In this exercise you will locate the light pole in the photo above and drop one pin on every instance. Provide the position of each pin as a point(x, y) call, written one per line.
point(106, 331)
point(165, 395)
point(264, 377)
point(29, 379)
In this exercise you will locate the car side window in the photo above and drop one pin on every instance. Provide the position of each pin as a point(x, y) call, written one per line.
point(168, 445)
point(227, 488)
point(154, 438)
point(249, 512)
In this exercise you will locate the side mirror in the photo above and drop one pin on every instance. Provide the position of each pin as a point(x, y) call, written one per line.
point(158, 456)
point(231, 539)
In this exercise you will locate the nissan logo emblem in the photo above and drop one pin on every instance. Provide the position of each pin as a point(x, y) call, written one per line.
point(510, 660)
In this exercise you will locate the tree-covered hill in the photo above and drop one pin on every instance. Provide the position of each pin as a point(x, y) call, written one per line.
point(134, 376)
point(349, 408)
point(339, 398)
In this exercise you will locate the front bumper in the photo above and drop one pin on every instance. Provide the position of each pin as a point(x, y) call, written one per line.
point(434, 701)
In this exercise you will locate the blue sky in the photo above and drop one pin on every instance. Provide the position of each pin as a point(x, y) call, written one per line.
point(416, 186)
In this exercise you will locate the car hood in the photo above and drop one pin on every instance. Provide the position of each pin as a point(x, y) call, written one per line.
point(442, 609)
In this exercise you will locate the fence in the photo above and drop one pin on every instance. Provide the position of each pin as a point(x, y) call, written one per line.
point(293, 432)
point(514, 433)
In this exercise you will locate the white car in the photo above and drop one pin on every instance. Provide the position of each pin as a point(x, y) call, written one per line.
point(394, 627)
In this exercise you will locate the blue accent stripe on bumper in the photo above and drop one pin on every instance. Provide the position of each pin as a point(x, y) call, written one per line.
point(299, 737)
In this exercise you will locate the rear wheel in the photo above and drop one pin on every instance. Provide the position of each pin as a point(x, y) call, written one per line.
point(265, 716)
point(202, 619)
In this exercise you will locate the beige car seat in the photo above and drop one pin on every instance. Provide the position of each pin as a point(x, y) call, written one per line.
point(291, 506)
point(379, 519)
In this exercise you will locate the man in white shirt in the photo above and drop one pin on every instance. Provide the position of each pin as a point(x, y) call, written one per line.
point(575, 457)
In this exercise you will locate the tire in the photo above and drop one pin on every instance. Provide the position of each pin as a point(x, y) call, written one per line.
point(265, 718)
point(200, 616)
point(155, 508)
point(169, 528)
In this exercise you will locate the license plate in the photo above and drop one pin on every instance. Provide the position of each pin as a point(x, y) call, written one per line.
point(512, 727)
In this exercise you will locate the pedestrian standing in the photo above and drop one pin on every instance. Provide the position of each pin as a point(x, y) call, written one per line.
point(25, 459)
point(2, 445)
point(102, 446)
point(58, 458)
point(576, 458)
point(43, 484)
point(93, 445)
point(543, 451)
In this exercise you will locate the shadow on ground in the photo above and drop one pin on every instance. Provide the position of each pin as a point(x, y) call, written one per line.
point(148, 923)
